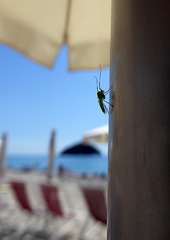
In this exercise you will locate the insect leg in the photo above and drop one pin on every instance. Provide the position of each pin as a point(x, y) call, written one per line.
point(108, 103)
point(108, 90)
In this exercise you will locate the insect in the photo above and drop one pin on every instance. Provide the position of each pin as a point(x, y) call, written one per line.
point(101, 95)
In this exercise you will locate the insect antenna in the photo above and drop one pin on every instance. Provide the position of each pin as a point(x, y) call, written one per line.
point(100, 76)
point(96, 83)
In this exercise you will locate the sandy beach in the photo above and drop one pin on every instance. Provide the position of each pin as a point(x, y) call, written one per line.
point(71, 198)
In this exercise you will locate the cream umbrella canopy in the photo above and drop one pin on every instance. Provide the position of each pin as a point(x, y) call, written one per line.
point(39, 28)
point(98, 135)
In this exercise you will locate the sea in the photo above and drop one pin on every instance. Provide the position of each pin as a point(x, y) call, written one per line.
point(81, 164)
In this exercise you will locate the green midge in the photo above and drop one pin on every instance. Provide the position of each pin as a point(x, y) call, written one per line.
point(101, 95)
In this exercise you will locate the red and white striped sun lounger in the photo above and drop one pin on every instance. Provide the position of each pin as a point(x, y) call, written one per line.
point(20, 192)
point(96, 203)
point(55, 207)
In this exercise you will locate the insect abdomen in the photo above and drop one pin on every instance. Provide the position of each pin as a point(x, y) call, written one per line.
point(102, 106)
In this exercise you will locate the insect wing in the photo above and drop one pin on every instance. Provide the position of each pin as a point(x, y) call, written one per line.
point(103, 106)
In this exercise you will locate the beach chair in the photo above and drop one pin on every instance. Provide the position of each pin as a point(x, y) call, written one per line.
point(96, 204)
point(20, 192)
point(6, 228)
point(8, 213)
point(69, 218)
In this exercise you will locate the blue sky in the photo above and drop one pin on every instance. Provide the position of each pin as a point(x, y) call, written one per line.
point(35, 99)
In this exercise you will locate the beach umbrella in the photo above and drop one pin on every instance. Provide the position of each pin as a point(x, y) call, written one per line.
point(51, 157)
point(3, 144)
point(81, 149)
point(98, 135)
point(39, 28)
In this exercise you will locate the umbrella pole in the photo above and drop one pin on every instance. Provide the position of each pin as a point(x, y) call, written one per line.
point(51, 158)
point(3, 155)
point(139, 144)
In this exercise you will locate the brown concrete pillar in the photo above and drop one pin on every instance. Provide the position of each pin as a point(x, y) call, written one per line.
point(139, 144)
